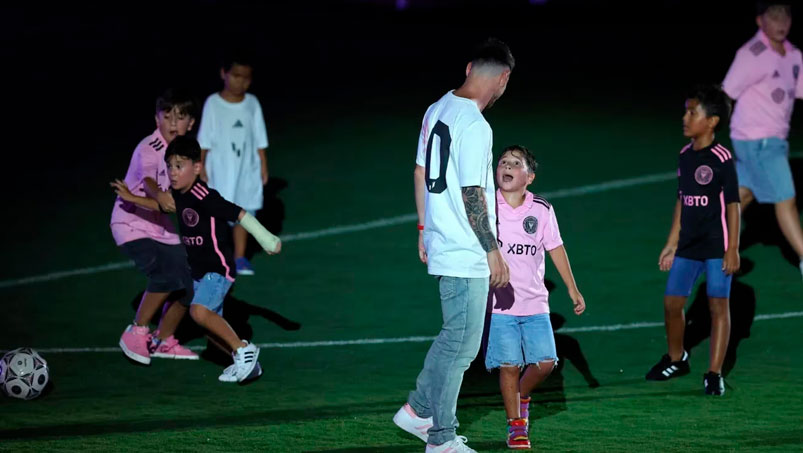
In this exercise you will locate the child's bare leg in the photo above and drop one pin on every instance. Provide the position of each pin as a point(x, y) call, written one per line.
point(215, 324)
point(148, 306)
point(240, 241)
point(534, 375)
point(218, 343)
point(509, 385)
point(675, 322)
point(171, 316)
point(745, 197)
point(720, 331)
point(789, 221)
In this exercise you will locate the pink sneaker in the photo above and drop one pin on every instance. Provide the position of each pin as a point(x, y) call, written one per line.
point(170, 349)
point(134, 343)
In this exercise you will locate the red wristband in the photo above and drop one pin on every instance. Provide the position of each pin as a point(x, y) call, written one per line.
point(420, 227)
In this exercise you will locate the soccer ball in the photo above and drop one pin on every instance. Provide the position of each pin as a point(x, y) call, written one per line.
point(23, 374)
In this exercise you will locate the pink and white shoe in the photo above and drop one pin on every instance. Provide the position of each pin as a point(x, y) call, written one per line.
point(134, 343)
point(408, 420)
point(169, 348)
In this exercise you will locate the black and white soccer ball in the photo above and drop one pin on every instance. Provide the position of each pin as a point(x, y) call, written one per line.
point(23, 374)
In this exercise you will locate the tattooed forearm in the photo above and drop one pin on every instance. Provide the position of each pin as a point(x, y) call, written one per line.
point(477, 211)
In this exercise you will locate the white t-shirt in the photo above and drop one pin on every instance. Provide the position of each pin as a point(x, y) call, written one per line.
point(455, 148)
point(233, 132)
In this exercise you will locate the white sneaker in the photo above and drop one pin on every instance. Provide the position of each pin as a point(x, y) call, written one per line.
point(407, 420)
point(456, 445)
point(245, 359)
point(229, 376)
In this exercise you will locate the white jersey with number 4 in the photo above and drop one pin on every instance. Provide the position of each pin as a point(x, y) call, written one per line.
point(455, 149)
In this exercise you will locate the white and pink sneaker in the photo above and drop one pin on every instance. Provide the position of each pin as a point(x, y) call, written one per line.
point(169, 348)
point(134, 343)
point(408, 420)
point(456, 445)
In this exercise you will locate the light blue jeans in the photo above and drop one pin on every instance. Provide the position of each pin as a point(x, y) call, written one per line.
point(463, 302)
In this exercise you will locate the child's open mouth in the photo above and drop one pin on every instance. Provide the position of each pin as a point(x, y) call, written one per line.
point(507, 178)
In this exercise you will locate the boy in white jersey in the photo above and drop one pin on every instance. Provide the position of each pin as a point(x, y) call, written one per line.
point(520, 334)
point(454, 194)
point(233, 142)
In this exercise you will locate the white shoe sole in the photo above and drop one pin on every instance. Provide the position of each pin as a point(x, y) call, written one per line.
point(400, 420)
point(245, 272)
point(162, 355)
point(133, 355)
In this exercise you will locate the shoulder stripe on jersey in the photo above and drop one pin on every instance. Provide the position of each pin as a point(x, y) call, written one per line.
point(725, 151)
point(198, 194)
point(219, 253)
point(683, 150)
point(153, 142)
point(541, 201)
point(159, 146)
point(201, 189)
point(719, 154)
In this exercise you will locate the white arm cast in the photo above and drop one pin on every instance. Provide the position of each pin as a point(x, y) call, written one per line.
point(265, 238)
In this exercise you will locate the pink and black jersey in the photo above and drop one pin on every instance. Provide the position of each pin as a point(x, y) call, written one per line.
point(706, 184)
point(525, 233)
point(203, 222)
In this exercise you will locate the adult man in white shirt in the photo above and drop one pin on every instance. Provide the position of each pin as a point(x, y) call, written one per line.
point(455, 198)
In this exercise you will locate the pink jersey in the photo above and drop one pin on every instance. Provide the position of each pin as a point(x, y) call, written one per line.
point(524, 233)
point(765, 85)
point(130, 222)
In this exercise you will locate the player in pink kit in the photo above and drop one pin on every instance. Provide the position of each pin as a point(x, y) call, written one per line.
point(521, 334)
point(149, 238)
point(765, 80)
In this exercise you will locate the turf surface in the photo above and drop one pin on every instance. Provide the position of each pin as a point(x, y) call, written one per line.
point(369, 285)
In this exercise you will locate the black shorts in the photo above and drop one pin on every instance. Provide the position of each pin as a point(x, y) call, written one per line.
point(165, 266)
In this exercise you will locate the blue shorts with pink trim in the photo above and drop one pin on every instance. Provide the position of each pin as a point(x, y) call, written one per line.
point(685, 272)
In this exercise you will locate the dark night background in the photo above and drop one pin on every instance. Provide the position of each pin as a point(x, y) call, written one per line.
point(81, 78)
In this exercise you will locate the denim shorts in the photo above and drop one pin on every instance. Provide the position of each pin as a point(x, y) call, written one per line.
point(684, 274)
point(763, 167)
point(210, 291)
point(520, 340)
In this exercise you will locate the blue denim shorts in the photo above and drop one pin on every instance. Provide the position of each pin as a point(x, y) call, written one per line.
point(685, 272)
point(520, 341)
point(210, 291)
point(763, 167)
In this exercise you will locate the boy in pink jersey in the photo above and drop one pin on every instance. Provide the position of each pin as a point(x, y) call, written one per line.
point(520, 335)
point(149, 237)
point(765, 80)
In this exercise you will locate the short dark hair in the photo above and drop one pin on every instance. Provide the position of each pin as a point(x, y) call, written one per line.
point(529, 158)
point(713, 100)
point(763, 6)
point(184, 146)
point(495, 52)
point(241, 58)
point(172, 98)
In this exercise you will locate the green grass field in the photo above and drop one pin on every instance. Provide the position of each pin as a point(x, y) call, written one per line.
point(370, 285)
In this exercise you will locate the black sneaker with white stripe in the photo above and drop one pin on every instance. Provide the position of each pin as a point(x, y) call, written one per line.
point(714, 384)
point(666, 369)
